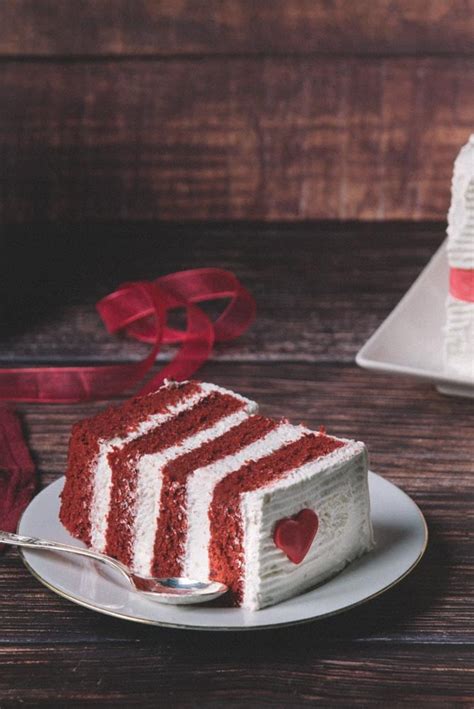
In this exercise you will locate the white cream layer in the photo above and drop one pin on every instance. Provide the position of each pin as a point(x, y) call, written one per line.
point(200, 490)
point(102, 475)
point(461, 212)
point(149, 483)
point(336, 488)
point(459, 337)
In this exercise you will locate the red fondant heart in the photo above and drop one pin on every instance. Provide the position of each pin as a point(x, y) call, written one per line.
point(294, 535)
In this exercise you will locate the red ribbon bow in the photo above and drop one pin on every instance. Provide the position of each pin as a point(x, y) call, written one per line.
point(140, 308)
point(17, 472)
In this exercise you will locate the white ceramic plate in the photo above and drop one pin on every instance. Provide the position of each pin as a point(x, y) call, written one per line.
point(410, 340)
point(400, 534)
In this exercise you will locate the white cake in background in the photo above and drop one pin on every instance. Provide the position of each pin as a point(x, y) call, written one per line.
point(190, 481)
point(459, 329)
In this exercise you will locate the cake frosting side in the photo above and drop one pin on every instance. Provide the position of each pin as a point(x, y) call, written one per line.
point(316, 475)
point(459, 328)
point(336, 488)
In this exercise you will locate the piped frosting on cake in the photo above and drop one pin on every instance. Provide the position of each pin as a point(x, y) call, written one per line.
point(459, 329)
point(88, 488)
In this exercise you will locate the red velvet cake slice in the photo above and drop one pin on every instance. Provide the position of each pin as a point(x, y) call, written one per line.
point(190, 482)
point(87, 492)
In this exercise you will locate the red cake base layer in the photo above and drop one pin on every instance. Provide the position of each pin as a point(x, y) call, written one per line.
point(76, 498)
point(172, 524)
point(226, 554)
point(123, 464)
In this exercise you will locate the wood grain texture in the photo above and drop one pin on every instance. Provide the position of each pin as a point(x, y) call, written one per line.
point(320, 303)
point(413, 644)
point(147, 27)
point(298, 676)
point(230, 138)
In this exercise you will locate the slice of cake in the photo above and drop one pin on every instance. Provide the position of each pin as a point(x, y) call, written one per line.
point(88, 490)
point(459, 329)
point(189, 481)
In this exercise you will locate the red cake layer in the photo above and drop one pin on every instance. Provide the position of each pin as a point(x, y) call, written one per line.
point(119, 421)
point(172, 524)
point(123, 464)
point(226, 554)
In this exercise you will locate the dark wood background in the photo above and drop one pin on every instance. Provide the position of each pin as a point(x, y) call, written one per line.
point(238, 109)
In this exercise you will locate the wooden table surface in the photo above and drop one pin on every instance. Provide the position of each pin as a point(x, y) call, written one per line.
point(321, 290)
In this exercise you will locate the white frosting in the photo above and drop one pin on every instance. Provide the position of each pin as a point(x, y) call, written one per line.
point(102, 474)
point(200, 490)
point(336, 488)
point(461, 212)
point(149, 482)
point(459, 328)
point(459, 337)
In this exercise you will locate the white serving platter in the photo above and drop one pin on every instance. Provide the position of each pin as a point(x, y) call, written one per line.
point(410, 340)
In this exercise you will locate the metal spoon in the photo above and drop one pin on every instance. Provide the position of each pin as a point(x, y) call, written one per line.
point(174, 590)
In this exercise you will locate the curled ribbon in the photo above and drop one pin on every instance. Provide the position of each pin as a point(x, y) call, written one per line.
point(17, 472)
point(140, 309)
point(461, 284)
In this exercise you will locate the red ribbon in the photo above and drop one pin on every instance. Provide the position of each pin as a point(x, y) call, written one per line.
point(461, 284)
point(17, 472)
point(140, 309)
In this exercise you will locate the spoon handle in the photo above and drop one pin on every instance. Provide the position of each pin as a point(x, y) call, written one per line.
point(35, 543)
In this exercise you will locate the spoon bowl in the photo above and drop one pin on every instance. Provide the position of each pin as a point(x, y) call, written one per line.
point(178, 590)
point(175, 590)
